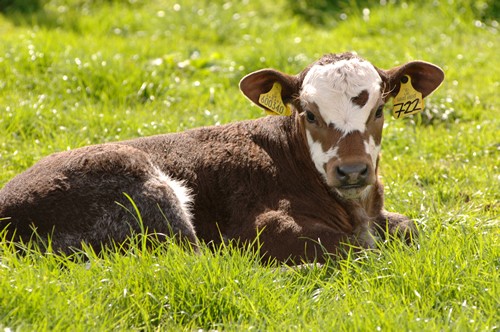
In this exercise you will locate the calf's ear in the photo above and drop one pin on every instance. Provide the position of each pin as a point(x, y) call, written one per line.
point(262, 81)
point(425, 77)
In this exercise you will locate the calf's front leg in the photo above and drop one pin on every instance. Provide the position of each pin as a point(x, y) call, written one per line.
point(395, 224)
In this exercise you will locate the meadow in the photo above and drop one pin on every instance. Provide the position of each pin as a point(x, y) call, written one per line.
point(80, 72)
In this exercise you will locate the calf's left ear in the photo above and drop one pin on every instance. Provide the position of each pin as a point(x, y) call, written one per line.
point(262, 81)
point(425, 77)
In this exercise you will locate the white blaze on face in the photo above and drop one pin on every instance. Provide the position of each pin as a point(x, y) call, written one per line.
point(332, 86)
point(320, 157)
point(373, 150)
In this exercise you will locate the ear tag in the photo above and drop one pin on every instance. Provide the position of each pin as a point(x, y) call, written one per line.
point(273, 102)
point(408, 101)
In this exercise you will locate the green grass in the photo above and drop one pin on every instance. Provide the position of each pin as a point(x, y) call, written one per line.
point(78, 72)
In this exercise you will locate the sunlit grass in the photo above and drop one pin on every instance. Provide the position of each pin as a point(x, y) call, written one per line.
point(81, 72)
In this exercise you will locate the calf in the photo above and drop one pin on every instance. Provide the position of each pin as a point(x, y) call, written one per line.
point(305, 181)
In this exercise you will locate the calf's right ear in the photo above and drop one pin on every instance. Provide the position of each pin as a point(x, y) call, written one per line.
point(263, 81)
point(425, 77)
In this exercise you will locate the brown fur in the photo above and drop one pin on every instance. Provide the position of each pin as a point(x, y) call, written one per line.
point(264, 167)
point(246, 178)
point(361, 99)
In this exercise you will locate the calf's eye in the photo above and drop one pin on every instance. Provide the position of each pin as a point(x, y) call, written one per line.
point(379, 112)
point(310, 117)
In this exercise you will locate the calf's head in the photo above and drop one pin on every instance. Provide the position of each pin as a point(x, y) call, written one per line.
point(339, 100)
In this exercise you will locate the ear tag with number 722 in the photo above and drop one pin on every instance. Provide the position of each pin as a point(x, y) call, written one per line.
point(273, 102)
point(408, 101)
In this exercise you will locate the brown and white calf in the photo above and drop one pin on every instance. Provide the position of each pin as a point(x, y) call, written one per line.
point(306, 182)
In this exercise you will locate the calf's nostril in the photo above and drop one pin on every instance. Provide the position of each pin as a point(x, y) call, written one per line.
point(340, 172)
point(364, 172)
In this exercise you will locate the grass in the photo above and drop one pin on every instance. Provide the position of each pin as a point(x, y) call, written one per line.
point(78, 72)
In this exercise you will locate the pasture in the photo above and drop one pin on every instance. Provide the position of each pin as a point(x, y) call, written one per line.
point(80, 72)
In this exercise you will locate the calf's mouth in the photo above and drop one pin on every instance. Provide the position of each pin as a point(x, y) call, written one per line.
point(351, 192)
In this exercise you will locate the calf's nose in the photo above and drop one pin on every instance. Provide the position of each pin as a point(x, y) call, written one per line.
point(352, 174)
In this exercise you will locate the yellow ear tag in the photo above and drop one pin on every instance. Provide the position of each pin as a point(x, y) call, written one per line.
point(273, 102)
point(408, 101)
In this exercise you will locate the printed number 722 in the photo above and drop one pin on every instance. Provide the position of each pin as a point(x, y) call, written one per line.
point(409, 107)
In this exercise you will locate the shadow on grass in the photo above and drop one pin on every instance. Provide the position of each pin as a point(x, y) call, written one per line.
point(19, 6)
point(326, 13)
point(28, 12)
point(43, 13)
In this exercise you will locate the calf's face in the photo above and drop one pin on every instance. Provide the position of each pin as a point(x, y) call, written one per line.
point(340, 101)
point(341, 111)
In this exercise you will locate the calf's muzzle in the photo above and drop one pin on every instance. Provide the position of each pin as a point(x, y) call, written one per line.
point(352, 175)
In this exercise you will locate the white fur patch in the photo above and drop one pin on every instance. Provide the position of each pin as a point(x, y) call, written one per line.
point(372, 149)
point(332, 86)
point(181, 191)
point(318, 156)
